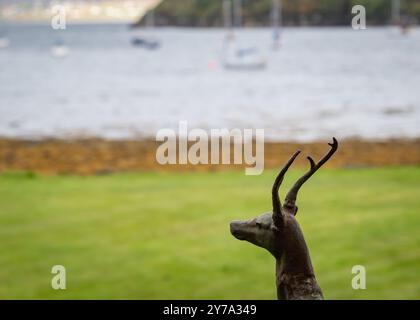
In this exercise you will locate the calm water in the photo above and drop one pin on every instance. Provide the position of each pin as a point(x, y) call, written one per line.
point(322, 82)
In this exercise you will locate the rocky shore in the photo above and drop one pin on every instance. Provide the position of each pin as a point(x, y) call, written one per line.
point(98, 156)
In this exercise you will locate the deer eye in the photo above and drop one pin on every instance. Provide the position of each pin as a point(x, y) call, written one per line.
point(258, 224)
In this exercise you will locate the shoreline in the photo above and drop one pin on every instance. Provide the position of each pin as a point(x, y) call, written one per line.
point(93, 156)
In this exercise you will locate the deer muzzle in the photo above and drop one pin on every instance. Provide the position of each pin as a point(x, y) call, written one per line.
point(241, 230)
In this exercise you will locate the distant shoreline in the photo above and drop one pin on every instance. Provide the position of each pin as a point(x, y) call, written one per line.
point(100, 156)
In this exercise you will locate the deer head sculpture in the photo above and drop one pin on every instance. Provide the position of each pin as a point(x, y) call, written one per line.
point(279, 232)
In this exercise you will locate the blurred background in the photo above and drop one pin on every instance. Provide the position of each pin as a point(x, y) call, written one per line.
point(86, 85)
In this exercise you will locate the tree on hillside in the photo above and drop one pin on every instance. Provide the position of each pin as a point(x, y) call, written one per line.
point(295, 12)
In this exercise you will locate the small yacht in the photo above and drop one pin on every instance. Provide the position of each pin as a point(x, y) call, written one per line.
point(59, 50)
point(237, 56)
point(149, 44)
point(242, 58)
point(4, 42)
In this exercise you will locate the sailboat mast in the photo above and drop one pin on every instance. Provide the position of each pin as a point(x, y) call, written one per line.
point(150, 19)
point(396, 12)
point(227, 17)
point(237, 13)
point(276, 21)
point(227, 14)
point(276, 14)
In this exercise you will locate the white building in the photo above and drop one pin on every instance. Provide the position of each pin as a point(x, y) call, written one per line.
point(77, 11)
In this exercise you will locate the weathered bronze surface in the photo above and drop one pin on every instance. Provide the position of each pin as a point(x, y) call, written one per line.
point(279, 232)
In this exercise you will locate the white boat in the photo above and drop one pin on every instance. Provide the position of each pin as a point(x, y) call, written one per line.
point(59, 50)
point(242, 58)
point(4, 42)
point(236, 56)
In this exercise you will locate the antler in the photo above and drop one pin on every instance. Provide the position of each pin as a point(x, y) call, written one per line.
point(292, 194)
point(277, 213)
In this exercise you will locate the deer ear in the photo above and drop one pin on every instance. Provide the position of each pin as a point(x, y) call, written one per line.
point(295, 211)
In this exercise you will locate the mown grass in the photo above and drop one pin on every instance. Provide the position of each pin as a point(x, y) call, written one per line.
point(166, 235)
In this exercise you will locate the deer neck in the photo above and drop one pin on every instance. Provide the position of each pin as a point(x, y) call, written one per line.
point(295, 277)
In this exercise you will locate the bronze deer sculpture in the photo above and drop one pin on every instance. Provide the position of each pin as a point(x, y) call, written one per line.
point(280, 234)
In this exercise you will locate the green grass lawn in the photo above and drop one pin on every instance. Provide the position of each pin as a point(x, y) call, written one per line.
point(166, 235)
